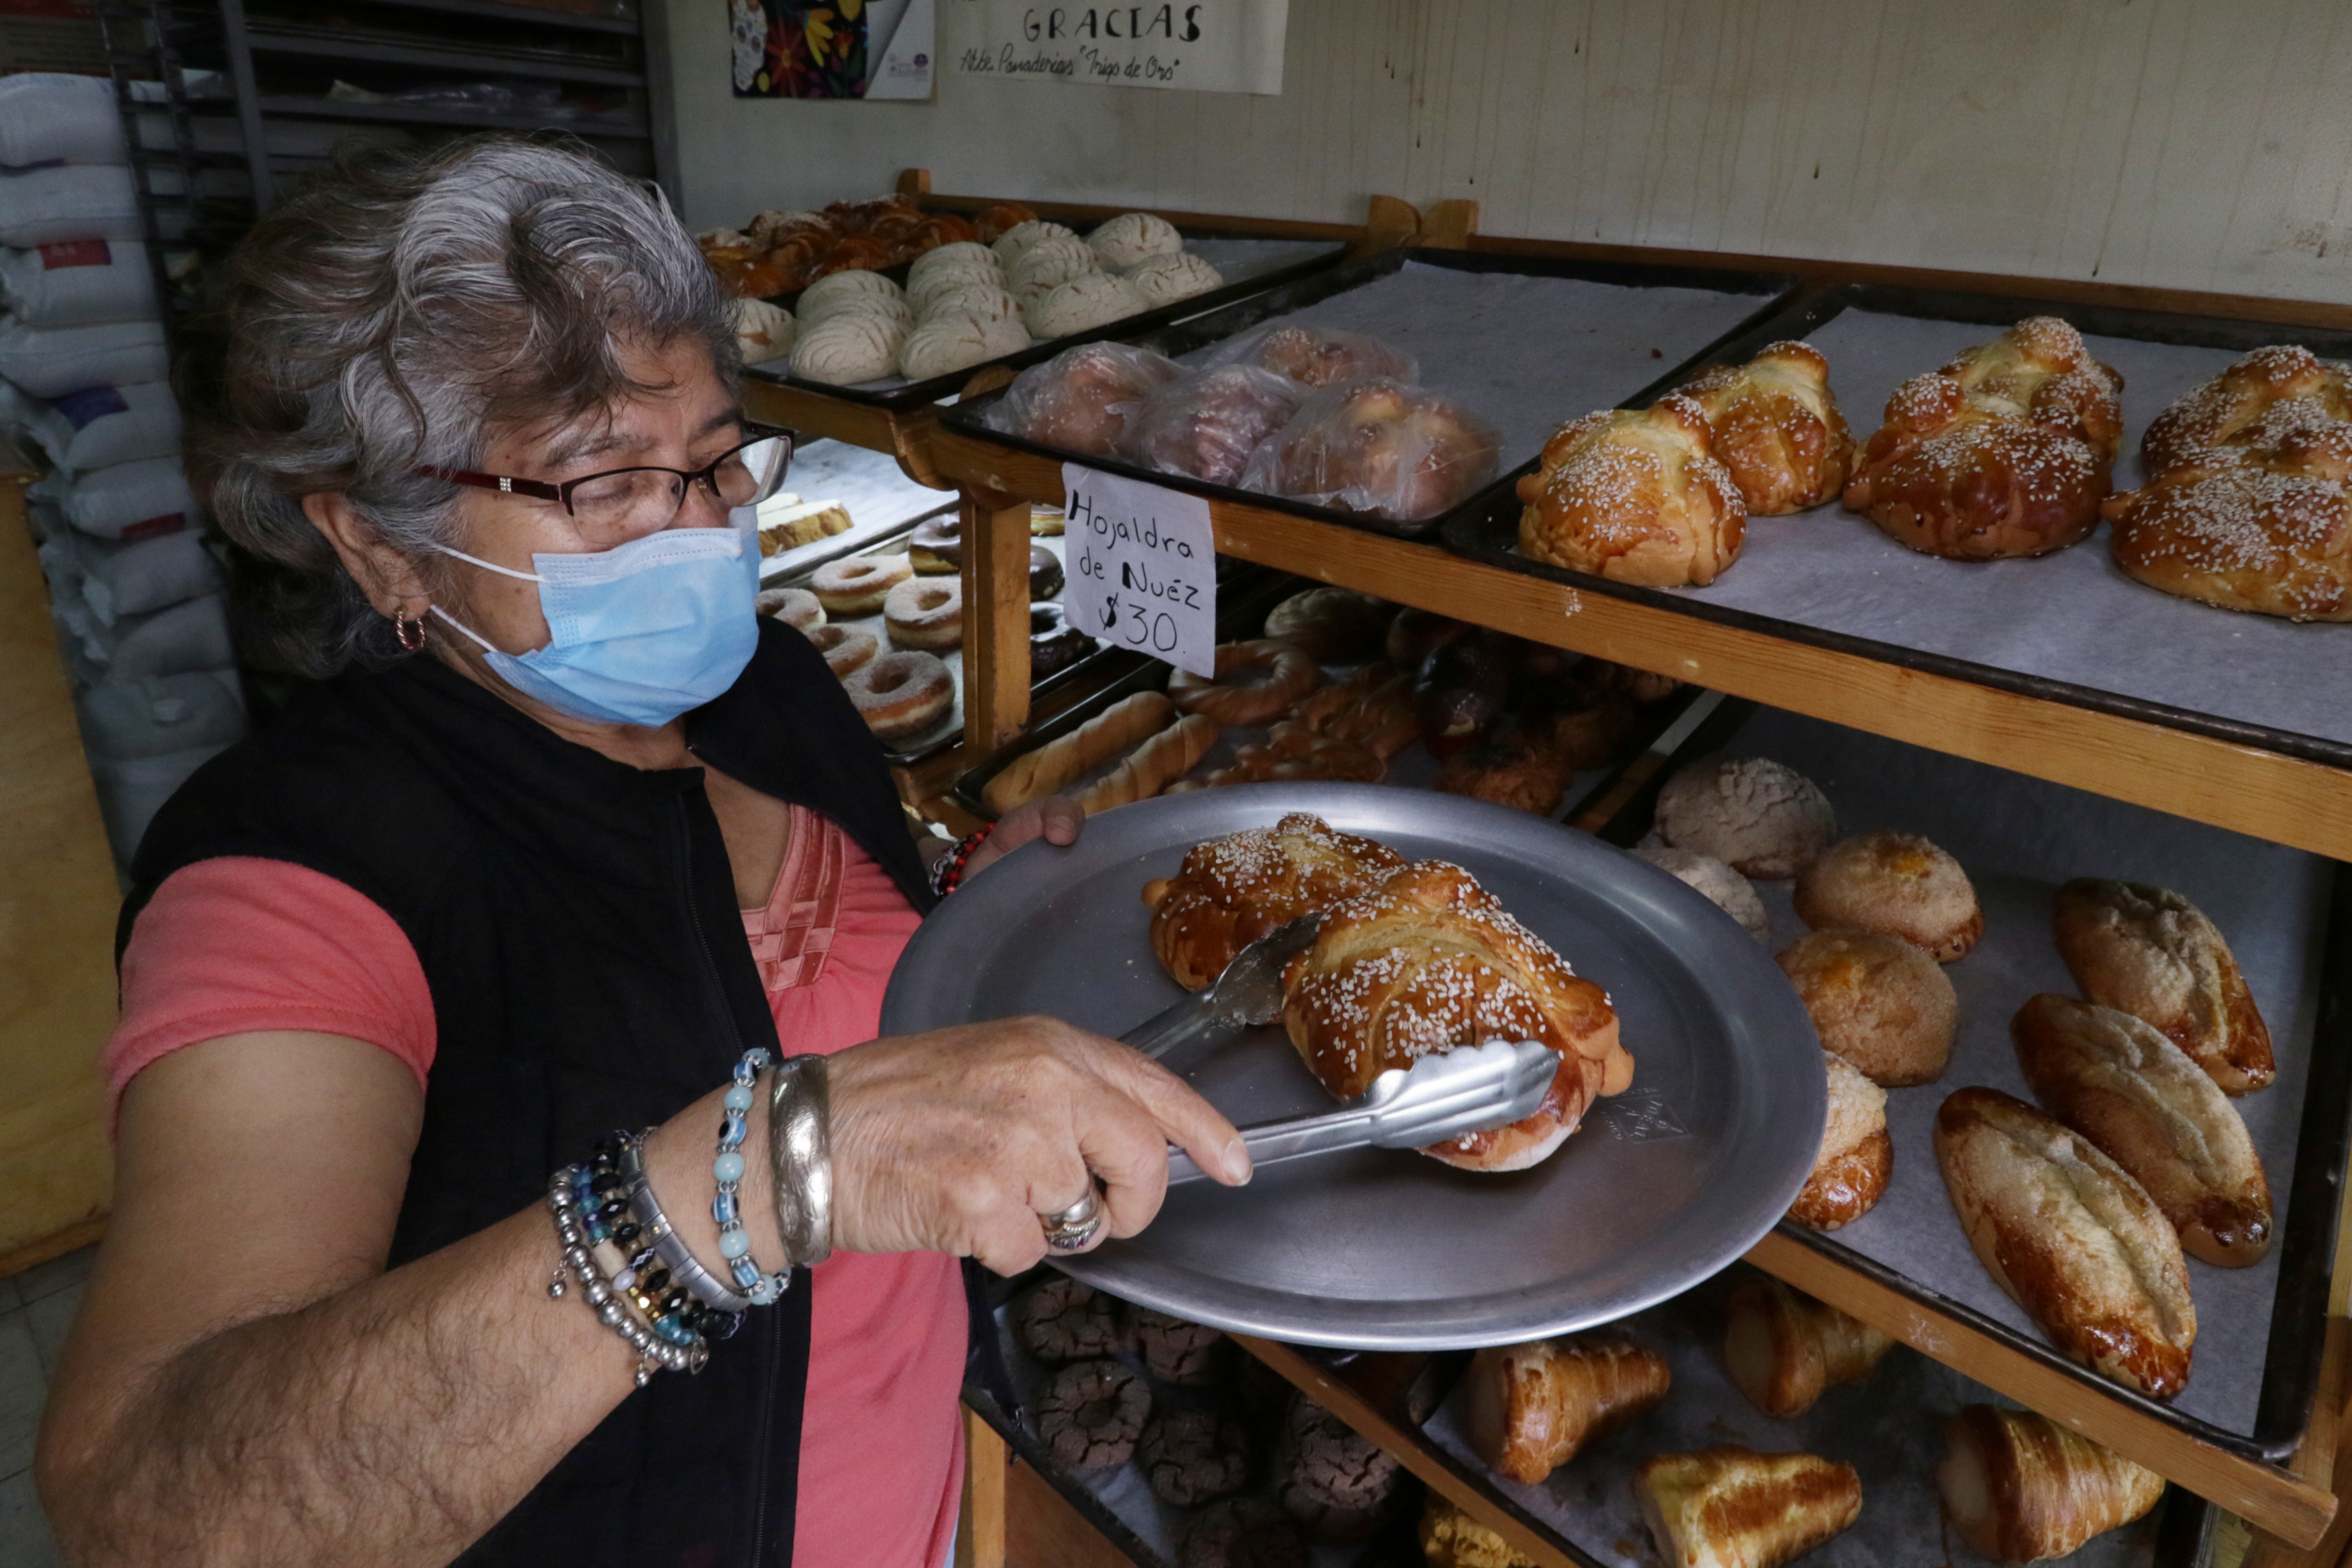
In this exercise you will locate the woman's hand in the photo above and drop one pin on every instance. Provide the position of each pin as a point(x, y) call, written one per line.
point(956, 1140)
point(1057, 820)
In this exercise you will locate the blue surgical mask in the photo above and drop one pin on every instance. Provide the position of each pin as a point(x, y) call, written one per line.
point(639, 634)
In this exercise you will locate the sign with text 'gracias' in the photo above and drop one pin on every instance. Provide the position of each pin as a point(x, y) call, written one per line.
point(1142, 568)
point(1207, 46)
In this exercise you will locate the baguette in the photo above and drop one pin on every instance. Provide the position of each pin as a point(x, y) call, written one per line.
point(1033, 775)
point(2020, 1487)
point(2118, 1082)
point(1533, 1408)
point(1148, 769)
point(2150, 952)
point(1782, 1348)
point(1734, 1508)
point(2072, 1238)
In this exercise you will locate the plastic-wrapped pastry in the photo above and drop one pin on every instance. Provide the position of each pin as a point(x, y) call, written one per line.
point(1080, 399)
point(1377, 446)
point(1131, 238)
point(1319, 356)
point(1206, 425)
point(1634, 498)
point(944, 344)
point(1164, 280)
point(764, 331)
point(1776, 427)
point(1021, 235)
point(1084, 303)
point(845, 349)
point(1047, 266)
point(827, 295)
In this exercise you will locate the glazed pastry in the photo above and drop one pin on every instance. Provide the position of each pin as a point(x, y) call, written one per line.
point(1065, 1321)
point(1091, 1414)
point(1333, 625)
point(1206, 425)
point(1234, 889)
point(1597, 680)
point(1318, 356)
point(1414, 635)
point(1533, 1408)
point(1189, 1355)
point(1452, 1539)
point(1045, 572)
point(2262, 401)
point(1754, 815)
point(1380, 448)
point(1428, 961)
point(1256, 682)
point(1193, 1455)
point(1054, 645)
point(1335, 1483)
point(1089, 301)
point(1776, 427)
point(1131, 238)
point(1080, 399)
point(1731, 1507)
point(1877, 1001)
point(925, 614)
point(1161, 759)
point(1783, 1349)
point(1634, 498)
point(1165, 279)
point(1725, 887)
point(858, 584)
point(1897, 884)
point(846, 651)
point(2071, 1237)
point(2150, 952)
point(2021, 1489)
point(2137, 1096)
point(2268, 532)
point(996, 221)
point(1857, 1158)
point(901, 695)
point(936, 548)
point(1582, 738)
point(1293, 755)
point(1056, 764)
point(1461, 692)
point(1046, 521)
point(796, 608)
point(1242, 1532)
point(2005, 451)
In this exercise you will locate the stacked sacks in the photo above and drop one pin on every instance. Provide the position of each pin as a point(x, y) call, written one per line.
point(137, 597)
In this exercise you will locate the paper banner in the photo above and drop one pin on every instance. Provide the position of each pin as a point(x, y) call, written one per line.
point(1210, 45)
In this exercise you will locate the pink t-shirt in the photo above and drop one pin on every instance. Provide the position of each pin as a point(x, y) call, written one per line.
point(234, 945)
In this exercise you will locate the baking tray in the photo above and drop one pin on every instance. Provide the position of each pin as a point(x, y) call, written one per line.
point(1382, 1248)
point(1251, 264)
point(2288, 918)
point(880, 498)
point(1527, 342)
point(2069, 627)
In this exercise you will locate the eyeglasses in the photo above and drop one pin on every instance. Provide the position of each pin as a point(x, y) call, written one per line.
point(622, 504)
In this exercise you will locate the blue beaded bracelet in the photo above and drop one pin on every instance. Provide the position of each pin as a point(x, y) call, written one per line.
point(734, 1242)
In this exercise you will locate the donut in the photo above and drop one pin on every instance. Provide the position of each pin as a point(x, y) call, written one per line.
point(935, 547)
point(1045, 572)
point(1063, 1320)
point(901, 694)
point(796, 608)
point(1091, 1414)
point(844, 650)
point(924, 613)
point(1046, 521)
point(1177, 1352)
point(1192, 1455)
point(857, 585)
point(1054, 645)
point(1289, 675)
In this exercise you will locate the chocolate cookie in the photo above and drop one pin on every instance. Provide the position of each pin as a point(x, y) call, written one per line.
point(1177, 1352)
point(1192, 1456)
point(1242, 1532)
point(1091, 1413)
point(1065, 1321)
point(1336, 1484)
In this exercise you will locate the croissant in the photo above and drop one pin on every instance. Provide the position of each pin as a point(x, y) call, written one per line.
point(1533, 1408)
point(1731, 1507)
point(1234, 889)
point(1777, 428)
point(1634, 498)
point(1428, 961)
point(2020, 1487)
point(2150, 952)
point(1782, 1348)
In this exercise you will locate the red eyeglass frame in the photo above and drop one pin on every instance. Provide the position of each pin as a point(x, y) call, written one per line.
point(540, 489)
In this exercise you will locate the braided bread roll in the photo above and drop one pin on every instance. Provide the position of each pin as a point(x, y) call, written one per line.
point(1234, 889)
point(1148, 768)
point(1053, 766)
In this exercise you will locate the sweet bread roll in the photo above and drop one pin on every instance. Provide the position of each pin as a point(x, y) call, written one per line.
point(1760, 817)
point(1080, 399)
point(2005, 451)
point(1428, 961)
point(1256, 682)
point(2259, 402)
point(1377, 446)
point(1731, 1507)
point(2137, 1096)
point(1877, 1001)
point(2071, 1237)
point(1783, 1349)
point(1634, 498)
point(1207, 426)
point(1898, 884)
point(2021, 1489)
point(1533, 1408)
point(1033, 775)
point(2150, 952)
point(1726, 888)
point(1857, 1158)
point(1372, 706)
point(1333, 625)
point(1777, 428)
point(2268, 532)
point(1234, 889)
point(1152, 766)
point(1452, 1539)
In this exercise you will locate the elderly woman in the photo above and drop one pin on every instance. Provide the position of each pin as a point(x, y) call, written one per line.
point(571, 842)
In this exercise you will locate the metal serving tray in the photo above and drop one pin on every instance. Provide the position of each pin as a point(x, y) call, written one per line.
point(1537, 375)
point(2067, 626)
point(2288, 918)
point(1385, 1249)
point(1249, 262)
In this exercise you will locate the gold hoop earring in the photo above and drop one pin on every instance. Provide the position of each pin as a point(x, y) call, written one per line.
point(409, 633)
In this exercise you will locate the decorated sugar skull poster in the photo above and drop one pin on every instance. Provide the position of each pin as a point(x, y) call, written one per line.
point(832, 48)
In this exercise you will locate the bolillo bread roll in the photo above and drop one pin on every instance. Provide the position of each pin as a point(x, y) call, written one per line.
point(2020, 1487)
point(1533, 1408)
point(1782, 1348)
point(1733, 1508)
point(2152, 954)
point(1033, 775)
point(2138, 1097)
point(2072, 1238)
point(1145, 770)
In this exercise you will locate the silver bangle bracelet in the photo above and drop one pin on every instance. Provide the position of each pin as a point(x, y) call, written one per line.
point(799, 1158)
point(668, 1245)
point(654, 1352)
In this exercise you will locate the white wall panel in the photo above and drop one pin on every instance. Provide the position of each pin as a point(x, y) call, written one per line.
point(2194, 143)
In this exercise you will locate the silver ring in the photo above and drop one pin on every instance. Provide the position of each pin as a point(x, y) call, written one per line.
point(1069, 1229)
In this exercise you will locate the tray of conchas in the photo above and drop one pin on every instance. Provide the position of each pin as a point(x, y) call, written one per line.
point(1386, 392)
point(885, 303)
point(2054, 500)
point(2087, 1063)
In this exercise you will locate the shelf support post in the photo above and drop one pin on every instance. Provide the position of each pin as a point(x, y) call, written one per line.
point(995, 620)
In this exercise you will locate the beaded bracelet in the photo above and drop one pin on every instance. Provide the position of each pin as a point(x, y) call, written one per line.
point(734, 1241)
point(947, 871)
point(663, 1243)
point(589, 1214)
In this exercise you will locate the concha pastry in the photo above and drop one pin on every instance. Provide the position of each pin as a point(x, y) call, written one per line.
point(1083, 304)
point(1234, 889)
point(958, 257)
point(1164, 280)
point(1131, 238)
point(834, 289)
point(764, 331)
point(1021, 235)
point(981, 301)
point(1047, 266)
point(1634, 498)
point(1760, 817)
point(945, 345)
point(1725, 887)
point(887, 308)
point(846, 349)
point(933, 292)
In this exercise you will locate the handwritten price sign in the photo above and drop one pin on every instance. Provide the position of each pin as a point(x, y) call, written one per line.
point(1142, 568)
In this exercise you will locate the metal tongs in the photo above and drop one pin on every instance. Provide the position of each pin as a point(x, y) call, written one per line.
point(1249, 993)
point(1441, 1096)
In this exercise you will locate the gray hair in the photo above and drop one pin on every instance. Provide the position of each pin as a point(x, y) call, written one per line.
point(386, 317)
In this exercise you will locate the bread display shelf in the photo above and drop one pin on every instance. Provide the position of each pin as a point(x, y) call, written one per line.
point(1506, 337)
point(880, 500)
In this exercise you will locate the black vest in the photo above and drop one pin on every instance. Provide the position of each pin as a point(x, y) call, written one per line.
point(576, 921)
